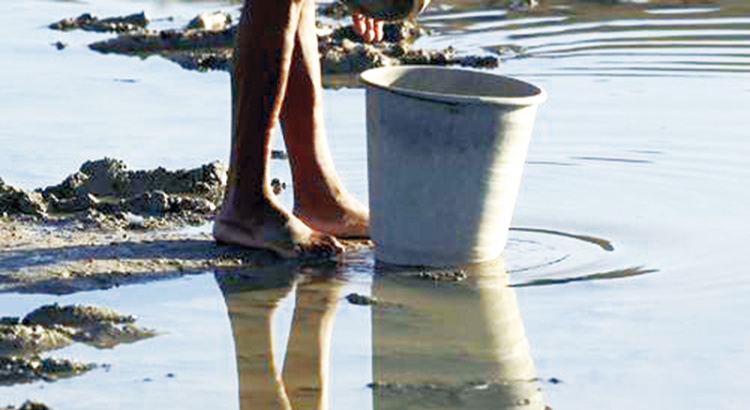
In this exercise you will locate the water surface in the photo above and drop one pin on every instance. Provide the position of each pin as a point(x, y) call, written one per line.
point(626, 258)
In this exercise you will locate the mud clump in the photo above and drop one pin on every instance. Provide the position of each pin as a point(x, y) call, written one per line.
point(277, 186)
point(207, 43)
point(28, 405)
point(212, 21)
point(108, 187)
point(111, 177)
point(74, 315)
point(87, 22)
point(361, 300)
point(14, 201)
point(451, 275)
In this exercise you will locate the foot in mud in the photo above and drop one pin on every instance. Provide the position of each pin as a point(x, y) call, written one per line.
point(340, 215)
point(271, 227)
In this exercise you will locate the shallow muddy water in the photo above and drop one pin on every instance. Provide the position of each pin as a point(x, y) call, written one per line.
point(626, 259)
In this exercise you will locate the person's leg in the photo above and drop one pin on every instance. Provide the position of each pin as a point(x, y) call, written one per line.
point(320, 199)
point(250, 215)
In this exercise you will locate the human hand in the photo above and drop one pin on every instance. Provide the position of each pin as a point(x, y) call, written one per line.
point(368, 28)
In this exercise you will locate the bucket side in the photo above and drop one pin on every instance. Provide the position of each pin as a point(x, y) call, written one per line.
point(443, 178)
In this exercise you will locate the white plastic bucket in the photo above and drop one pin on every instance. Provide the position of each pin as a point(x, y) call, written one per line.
point(446, 151)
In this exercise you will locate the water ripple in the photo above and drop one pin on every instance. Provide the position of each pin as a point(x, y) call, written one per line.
point(612, 41)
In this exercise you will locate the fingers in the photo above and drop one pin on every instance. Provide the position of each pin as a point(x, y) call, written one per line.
point(360, 26)
point(368, 28)
point(379, 34)
point(374, 30)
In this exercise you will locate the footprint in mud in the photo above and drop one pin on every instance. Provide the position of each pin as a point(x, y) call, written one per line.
point(540, 257)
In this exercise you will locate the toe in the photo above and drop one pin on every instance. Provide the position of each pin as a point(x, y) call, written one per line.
point(322, 246)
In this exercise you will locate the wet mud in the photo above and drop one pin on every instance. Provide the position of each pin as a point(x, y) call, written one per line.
point(207, 42)
point(106, 226)
point(361, 300)
point(38, 256)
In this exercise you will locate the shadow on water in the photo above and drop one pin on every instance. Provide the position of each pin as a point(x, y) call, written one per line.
point(425, 353)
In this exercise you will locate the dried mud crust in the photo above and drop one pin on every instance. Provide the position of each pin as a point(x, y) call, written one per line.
point(106, 189)
point(207, 43)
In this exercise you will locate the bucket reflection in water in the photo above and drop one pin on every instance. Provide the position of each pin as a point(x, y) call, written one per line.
point(451, 339)
point(446, 151)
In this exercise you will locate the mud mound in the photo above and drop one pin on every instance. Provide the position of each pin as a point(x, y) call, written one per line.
point(207, 42)
point(106, 192)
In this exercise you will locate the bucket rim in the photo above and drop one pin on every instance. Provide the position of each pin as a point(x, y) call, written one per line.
point(538, 97)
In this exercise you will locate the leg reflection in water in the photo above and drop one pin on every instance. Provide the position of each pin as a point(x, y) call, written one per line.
point(451, 339)
point(438, 342)
point(251, 302)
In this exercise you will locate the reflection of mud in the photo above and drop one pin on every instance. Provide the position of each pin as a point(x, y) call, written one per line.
point(52, 327)
point(21, 340)
point(16, 370)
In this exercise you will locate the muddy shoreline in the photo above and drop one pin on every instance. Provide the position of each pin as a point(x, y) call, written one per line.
point(206, 43)
point(106, 225)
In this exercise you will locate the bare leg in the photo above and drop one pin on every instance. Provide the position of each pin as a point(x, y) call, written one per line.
point(250, 215)
point(320, 198)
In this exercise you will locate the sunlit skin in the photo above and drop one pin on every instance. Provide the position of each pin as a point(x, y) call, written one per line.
point(277, 77)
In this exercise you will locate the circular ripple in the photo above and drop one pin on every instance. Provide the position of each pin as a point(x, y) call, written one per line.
point(536, 257)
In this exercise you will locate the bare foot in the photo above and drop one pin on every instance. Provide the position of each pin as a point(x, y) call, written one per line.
point(342, 216)
point(273, 228)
